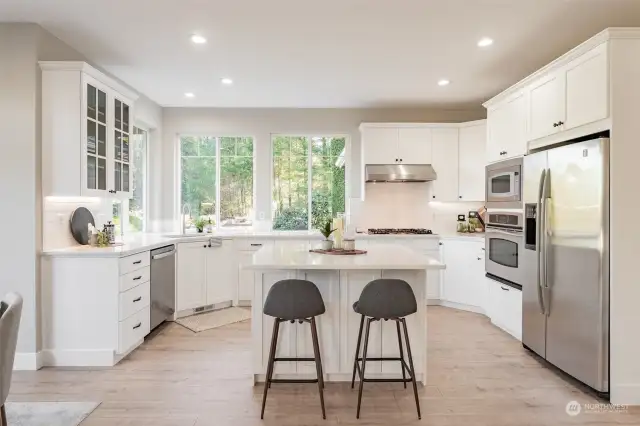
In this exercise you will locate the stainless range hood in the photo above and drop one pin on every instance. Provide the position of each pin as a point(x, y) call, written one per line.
point(400, 173)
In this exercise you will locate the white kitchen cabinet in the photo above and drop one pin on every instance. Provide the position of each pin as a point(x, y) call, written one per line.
point(221, 272)
point(472, 145)
point(433, 277)
point(445, 162)
point(506, 309)
point(546, 106)
point(507, 128)
point(587, 88)
point(191, 282)
point(87, 119)
point(245, 248)
point(463, 280)
point(380, 145)
point(414, 145)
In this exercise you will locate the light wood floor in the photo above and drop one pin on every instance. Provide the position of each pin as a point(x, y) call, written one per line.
point(478, 375)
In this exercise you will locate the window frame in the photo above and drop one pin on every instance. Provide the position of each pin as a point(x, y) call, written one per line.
point(178, 178)
point(347, 170)
point(145, 196)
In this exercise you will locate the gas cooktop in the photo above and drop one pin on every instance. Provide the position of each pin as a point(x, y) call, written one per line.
point(401, 231)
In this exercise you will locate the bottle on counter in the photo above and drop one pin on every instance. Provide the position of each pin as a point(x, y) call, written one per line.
point(338, 235)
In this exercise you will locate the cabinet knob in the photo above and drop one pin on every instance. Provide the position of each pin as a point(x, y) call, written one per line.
point(401, 160)
point(396, 160)
point(479, 258)
point(204, 246)
point(459, 196)
point(555, 124)
point(560, 123)
point(440, 243)
point(505, 289)
point(433, 196)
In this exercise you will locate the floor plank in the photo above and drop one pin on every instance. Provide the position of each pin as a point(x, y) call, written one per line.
point(477, 375)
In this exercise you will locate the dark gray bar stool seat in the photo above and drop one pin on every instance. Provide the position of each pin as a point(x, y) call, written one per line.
point(294, 300)
point(385, 299)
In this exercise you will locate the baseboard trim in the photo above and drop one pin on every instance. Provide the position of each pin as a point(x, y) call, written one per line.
point(79, 358)
point(463, 307)
point(625, 394)
point(29, 361)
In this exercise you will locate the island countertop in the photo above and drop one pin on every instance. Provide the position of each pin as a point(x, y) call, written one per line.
point(378, 257)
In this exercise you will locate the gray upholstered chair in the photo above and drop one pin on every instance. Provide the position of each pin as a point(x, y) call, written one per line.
point(385, 299)
point(294, 300)
point(10, 312)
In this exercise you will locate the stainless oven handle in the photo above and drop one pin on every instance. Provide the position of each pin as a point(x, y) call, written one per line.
point(539, 238)
point(491, 230)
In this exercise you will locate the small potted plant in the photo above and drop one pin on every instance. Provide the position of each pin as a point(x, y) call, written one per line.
point(326, 232)
point(200, 224)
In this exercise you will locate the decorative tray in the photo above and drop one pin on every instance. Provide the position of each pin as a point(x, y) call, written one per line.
point(338, 252)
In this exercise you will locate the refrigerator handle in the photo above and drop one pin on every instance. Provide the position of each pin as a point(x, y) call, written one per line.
point(546, 198)
point(540, 237)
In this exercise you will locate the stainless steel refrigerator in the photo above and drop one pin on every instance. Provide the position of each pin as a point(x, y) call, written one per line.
point(566, 259)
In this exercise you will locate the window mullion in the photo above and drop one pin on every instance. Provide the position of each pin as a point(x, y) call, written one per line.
point(309, 182)
point(218, 163)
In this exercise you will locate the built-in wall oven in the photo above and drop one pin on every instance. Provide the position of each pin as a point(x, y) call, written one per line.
point(504, 246)
point(504, 184)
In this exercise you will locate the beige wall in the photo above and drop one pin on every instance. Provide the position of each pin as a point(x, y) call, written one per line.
point(261, 123)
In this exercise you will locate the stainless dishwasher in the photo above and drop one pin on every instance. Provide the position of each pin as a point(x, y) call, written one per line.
point(163, 284)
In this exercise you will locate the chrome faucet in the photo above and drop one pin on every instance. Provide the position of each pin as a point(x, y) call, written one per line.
point(183, 224)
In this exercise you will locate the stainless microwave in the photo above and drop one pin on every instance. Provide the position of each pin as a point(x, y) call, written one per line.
point(504, 184)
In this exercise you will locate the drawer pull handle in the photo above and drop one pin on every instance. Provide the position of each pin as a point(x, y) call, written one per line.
point(256, 245)
point(505, 289)
point(137, 326)
point(137, 278)
point(137, 262)
point(138, 299)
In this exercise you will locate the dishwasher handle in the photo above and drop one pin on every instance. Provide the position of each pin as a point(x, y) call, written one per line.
point(163, 255)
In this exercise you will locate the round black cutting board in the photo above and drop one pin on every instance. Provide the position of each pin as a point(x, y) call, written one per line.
point(80, 218)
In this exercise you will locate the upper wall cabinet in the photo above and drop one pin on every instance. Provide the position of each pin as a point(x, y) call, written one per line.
point(506, 129)
point(87, 120)
point(392, 145)
point(472, 156)
point(570, 97)
point(445, 163)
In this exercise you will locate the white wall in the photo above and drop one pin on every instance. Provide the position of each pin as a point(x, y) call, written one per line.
point(261, 123)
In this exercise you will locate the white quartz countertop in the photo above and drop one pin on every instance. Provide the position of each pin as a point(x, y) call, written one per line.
point(379, 257)
point(148, 241)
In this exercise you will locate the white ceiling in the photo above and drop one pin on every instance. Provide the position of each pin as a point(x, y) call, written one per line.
point(329, 53)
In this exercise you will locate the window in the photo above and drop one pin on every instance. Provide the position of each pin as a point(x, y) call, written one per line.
point(308, 181)
point(137, 203)
point(206, 161)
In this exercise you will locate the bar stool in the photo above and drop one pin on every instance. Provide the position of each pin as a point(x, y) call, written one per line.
point(388, 299)
point(294, 300)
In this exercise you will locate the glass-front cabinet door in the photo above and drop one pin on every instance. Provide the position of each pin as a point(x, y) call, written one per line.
point(121, 147)
point(96, 139)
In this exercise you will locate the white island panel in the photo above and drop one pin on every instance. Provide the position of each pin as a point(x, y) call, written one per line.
point(340, 280)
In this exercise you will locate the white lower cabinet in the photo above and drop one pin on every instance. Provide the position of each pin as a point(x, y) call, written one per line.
point(94, 310)
point(207, 275)
point(506, 308)
point(463, 280)
point(191, 291)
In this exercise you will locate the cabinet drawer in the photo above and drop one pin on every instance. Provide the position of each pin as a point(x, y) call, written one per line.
point(133, 329)
point(135, 278)
point(137, 261)
point(133, 300)
point(251, 244)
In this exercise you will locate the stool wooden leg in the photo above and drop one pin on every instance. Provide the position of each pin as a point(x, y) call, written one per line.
point(3, 416)
point(355, 361)
point(316, 352)
point(364, 364)
point(413, 370)
point(272, 355)
point(404, 376)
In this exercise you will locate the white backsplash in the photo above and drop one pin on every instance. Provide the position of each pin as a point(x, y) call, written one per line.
point(56, 215)
point(405, 205)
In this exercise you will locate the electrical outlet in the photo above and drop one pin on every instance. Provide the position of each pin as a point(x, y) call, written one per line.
point(261, 215)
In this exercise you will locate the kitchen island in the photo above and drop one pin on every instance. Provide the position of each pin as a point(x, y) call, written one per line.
point(340, 280)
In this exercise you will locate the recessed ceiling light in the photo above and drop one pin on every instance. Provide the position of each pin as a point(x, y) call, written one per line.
point(198, 39)
point(189, 95)
point(226, 81)
point(485, 41)
point(443, 82)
